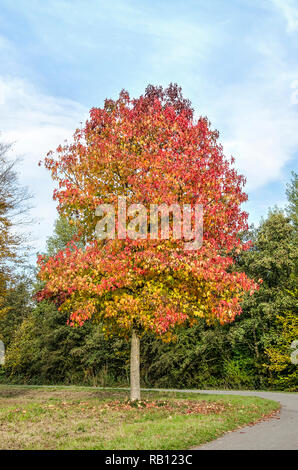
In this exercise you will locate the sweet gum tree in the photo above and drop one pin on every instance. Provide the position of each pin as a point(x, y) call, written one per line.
point(149, 150)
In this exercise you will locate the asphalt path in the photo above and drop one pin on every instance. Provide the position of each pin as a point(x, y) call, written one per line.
point(277, 433)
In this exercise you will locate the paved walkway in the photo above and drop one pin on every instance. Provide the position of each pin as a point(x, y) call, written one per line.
point(278, 433)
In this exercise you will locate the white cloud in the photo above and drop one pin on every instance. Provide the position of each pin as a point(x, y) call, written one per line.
point(289, 9)
point(36, 123)
point(257, 117)
point(260, 131)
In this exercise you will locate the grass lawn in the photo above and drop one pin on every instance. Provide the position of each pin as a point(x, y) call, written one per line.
point(86, 418)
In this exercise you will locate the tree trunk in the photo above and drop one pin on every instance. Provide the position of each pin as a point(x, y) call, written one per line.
point(135, 390)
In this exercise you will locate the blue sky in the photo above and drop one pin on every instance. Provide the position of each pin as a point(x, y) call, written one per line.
point(236, 61)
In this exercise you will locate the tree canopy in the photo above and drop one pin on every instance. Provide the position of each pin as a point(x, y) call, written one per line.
point(149, 150)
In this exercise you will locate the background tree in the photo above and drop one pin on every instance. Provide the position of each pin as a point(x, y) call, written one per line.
point(273, 258)
point(64, 233)
point(13, 209)
point(17, 303)
point(283, 372)
point(283, 369)
point(149, 150)
point(13, 216)
point(292, 194)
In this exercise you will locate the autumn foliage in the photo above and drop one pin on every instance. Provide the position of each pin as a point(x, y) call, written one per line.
point(150, 150)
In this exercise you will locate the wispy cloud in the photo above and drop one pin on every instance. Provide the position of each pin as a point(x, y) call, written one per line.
point(289, 10)
point(258, 115)
point(36, 123)
point(259, 127)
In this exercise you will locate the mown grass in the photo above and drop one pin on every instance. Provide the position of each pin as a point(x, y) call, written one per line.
point(86, 418)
